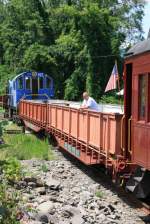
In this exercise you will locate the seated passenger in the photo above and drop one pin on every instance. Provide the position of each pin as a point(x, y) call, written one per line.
point(89, 103)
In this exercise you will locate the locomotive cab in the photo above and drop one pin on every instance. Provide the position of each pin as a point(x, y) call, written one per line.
point(29, 85)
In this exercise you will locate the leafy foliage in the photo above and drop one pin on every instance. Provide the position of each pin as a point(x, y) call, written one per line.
point(9, 208)
point(12, 169)
point(76, 42)
point(111, 99)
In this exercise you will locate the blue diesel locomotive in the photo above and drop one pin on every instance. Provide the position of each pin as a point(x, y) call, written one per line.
point(29, 85)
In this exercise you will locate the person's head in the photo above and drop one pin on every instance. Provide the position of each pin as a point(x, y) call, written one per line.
point(85, 96)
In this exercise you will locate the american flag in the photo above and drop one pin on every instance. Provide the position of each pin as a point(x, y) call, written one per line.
point(112, 83)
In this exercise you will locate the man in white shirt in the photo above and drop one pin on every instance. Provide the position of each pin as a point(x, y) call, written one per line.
point(89, 103)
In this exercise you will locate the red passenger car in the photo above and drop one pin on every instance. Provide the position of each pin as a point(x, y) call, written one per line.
point(137, 111)
point(137, 102)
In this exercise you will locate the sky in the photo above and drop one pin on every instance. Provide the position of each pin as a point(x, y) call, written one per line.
point(146, 21)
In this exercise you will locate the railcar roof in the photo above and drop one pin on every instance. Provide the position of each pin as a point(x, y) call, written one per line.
point(17, 76)
point(139, 48)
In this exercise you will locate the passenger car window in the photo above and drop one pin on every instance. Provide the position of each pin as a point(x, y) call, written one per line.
point(28, 83)
point(142, 97)
point(48, 83)
point(41, 82)
point(20, 83)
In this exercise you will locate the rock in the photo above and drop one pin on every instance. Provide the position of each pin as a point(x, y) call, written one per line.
point(40, 190)
point(101, 218)
point(77, 219)
point(30, 179)
point(32, 184)
point(64, 222)
point(111, 208)
point(45, 207)
point(44, 219)
point(53, 219)
point(43, 211)
point(76, 189)
point(74, 214)
point(31, 196)
point(67, 214)
point(21, 184)
point(39, 183)
point(52, 183)
point(42, 199)
point(31, 222)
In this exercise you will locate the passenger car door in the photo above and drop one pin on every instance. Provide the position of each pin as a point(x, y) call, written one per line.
point(140, 120)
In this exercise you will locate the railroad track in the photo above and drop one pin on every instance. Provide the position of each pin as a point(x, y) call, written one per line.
point(143, 205)
point(12, 131)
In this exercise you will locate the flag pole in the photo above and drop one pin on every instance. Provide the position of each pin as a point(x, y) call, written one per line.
point(118, 82)
point(118, 76)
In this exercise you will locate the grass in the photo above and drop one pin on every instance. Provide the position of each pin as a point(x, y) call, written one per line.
point(99, 194)
point(12, 126)
point(25, 147)
point(1, 109)
point(44, 168)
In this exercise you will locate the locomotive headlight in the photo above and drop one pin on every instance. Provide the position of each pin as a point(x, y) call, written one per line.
point(34, 74)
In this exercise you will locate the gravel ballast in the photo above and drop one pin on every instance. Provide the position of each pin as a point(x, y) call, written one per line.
point(67, 192)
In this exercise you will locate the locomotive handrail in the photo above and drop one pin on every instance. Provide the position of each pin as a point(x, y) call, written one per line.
point(31, 95)
point(35, 95)
point(129, 135)
point(122, 121)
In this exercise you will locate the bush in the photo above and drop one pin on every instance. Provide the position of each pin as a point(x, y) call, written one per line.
point(9, 208)
point(111, 100)
point(12, 170)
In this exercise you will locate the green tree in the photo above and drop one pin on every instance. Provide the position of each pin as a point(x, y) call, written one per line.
point(75, 42)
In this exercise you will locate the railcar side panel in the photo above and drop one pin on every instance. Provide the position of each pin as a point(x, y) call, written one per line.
point(52, 115)
point(83, 126)
point(74, 123)
point(34, 114)
point(59, 118)
point(140, 143)
point(140, 126)
point(94, 129)
point(66, 119)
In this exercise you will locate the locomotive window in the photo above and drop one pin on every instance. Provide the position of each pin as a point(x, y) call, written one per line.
point(48, 83)
point(142, 97)
point(40, 82)
point(20, 83)
point(14, 86)
point(28, 83)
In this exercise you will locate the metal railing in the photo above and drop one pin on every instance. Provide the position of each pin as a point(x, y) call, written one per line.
point(129, 135)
